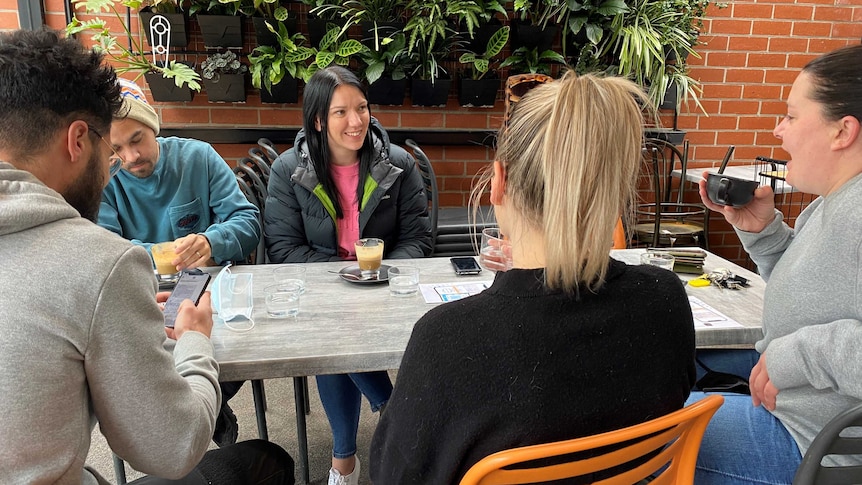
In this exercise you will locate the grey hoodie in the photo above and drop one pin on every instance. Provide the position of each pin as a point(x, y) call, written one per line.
point(83, 341)
point(812, 310)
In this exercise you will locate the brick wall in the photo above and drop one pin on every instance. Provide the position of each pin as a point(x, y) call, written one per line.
point(752, 52)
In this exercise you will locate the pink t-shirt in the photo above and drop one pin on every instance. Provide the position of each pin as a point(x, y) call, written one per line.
point(346, 180)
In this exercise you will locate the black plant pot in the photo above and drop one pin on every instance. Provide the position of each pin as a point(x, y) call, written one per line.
point(179, 29)
point(221, 30)
point(226, 88)
point(478, 93)
point(481, 35)
point(387, 91)
point(532, 36)
point(165, 89)
point(384, 29)
point(284, 92)
point(426, 93)
point(317, 28)
point(671, 96)
point(264, 36)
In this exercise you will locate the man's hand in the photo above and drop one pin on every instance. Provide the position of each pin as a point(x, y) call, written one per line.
point(762, 390)
point(190, 317)
point(193, 251)
point(753, 217)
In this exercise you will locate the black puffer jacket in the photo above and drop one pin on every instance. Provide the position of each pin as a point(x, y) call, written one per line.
point(298, 228)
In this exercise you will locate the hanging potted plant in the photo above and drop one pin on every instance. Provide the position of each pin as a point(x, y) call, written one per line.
point(270, 11)
point(524, 60)
point(275, 70)
point(220, 22)
point(173, 16)
point(127, 54)
point(224, 77)
point(321, 14)
point(535, 23)
point(475, 89)
point(386, 70)
point(334, 48)
point(378, 19)
point(489, 24)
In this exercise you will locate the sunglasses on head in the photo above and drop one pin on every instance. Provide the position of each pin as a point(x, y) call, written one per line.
point(518, 85)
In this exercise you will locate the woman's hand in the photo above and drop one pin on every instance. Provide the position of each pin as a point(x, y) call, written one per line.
point(762, 390)
point(753, 217)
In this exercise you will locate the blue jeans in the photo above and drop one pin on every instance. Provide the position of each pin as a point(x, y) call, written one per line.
point(743, 444)
point(341, 396)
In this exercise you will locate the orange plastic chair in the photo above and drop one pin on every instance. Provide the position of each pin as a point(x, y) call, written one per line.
point(620, 235)
point(674, 438)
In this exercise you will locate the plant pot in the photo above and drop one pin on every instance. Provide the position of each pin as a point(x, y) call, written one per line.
point(426, 93)
point(286, 91)
point(165, 89)
point(387, 91)
point(671, 96)
point(532, 36)
point(481, 35)
point(317, 28)
point(221, 30)
point(264, 36)
point(226, 88)
point(384, 29)
point(178, 24)
point(478, 93)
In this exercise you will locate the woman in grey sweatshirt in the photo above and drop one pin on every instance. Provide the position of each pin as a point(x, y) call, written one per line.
point(809, 367)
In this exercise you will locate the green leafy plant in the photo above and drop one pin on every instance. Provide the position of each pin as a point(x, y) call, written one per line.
point(387, 61)
point(429, 22)
point(591, 16)
point(356, 11)
point(128, 55)
point(270, 64)
point(427, 59)
point(524, 60)
point(221, 7)
point(161, 6)
point(219, 63)
point(269, 9)
point(480, 63)
point(539, 12)
point(334, 49)
point(489, 8)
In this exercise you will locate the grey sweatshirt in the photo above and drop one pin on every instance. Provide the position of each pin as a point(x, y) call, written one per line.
point(812, 310)
point(82, 340)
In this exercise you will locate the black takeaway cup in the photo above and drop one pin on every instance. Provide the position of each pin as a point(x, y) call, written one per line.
point(725, 190)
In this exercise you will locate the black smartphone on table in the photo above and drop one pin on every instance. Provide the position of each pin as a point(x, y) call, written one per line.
point(190, 285)
point(465, 265)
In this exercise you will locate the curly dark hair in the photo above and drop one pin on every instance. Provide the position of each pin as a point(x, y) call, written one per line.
point(46, 82)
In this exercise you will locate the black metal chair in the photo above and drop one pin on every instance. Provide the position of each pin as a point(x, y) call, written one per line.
point(268, 147)
point(430, 181)
point(831, 441)
point(255, 183)
point(260, 167)
point(664, 220)
point(257, 154)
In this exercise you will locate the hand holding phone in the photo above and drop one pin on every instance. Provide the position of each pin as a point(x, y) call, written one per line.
point(465, 265)
point(190, 286)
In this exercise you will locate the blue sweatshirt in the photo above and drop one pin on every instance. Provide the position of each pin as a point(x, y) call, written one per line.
point(191, 191)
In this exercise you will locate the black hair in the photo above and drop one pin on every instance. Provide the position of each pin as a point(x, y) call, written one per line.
point(316, 98)
point(47, 81)
point(838, 82)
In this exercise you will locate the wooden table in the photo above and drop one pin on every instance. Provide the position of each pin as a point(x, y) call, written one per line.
point(348, 327)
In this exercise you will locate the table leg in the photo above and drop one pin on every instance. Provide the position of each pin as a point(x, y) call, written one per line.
point(300, 396)
point(260, 408)
point(119, 470)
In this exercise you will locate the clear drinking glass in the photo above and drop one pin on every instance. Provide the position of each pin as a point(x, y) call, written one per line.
point(403, 280)
point(290, 274)
point(282, 299)
point(495, 253)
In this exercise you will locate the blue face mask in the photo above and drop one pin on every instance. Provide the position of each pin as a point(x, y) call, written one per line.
point(232, 296)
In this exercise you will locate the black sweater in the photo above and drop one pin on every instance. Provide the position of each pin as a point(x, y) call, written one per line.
point(520, 365)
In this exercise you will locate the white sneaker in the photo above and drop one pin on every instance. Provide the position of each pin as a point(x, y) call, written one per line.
point(336, 478)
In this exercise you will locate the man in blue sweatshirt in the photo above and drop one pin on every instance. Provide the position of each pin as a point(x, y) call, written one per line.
point(181, 190)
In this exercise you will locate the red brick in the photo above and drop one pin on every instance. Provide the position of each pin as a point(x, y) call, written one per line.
point(416, 119)
point(851, 30)
point(708, 75)
point(756, 122)
point(462, 184)
point(748, 43)
point(745, 75)
point(739, 106)
point(735, 137)
point(713, 43)
point(761, 92)
point(387, 119)
point(717, 123)
point(827, 45)
point(697, 138)
point(713, 154)
point(754, 11)
point(473, 169)
point(722, 91)
point(467, 153)
point(857, 12)
point(445, 168)
point(13, 5)
point(781, 76)
point(281, 117)
point(773, 107)
point(730, 59)
point(451, 199)
point(799, 60)
point(788, 44)
point(730, 26)
point(766, 138)
point(231, 150)
point(799, 12)
point(226, 114)
point(840, 14)
point(53, 20)
point(812, 29)
point(767, 60)
point(771, 27)
point(467, 120)
point(9, 20)
point(182, 117)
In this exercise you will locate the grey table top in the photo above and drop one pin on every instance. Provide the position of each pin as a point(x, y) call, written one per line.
point(349, 327)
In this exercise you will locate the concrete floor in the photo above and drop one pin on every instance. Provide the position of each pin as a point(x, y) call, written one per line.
point(281, 423)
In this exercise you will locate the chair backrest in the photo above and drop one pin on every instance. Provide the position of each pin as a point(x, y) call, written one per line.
point(259, 165)
point(258, 256)
point(671, 441)
point(430, 181)
point(268, 148)
point(829, 441)
point(254, 181)
point(256, 153)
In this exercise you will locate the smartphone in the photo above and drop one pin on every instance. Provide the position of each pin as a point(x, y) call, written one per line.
point(465, 265)
point(190, 286)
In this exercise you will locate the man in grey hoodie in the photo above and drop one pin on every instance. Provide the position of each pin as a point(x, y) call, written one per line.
point(83, 335)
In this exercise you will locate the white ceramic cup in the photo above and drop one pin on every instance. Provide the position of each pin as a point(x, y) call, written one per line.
point(403, 280)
